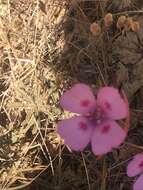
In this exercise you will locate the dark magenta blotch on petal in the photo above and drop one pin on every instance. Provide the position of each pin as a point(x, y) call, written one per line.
point(83, 125)
point(108, 106)
point(85, 103)
point(141, 165)
point(105, 129)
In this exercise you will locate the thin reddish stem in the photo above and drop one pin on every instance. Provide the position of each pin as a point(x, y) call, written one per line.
point(127, 122)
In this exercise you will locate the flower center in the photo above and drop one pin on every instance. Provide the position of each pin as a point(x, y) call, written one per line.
point(105, 129)
point(97, 116)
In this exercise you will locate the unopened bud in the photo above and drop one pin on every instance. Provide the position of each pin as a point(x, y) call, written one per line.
point(135, 26)
point(121, 22)
point(108, 19)
point(95, 28)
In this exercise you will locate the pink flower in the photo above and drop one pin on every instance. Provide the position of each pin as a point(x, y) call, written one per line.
point(135, 167)
point(96, 122)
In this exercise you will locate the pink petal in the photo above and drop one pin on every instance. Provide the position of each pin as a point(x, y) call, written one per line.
point(138, 185)
point(112, 103)
point(106, 136)
point(76, 132)
point(79, 99)
point(135, 166)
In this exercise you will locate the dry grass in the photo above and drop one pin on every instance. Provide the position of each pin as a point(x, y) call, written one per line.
point(45, 46)
point(29, 94)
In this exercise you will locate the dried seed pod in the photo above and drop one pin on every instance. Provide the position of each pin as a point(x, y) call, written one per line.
point(121, 22)
point(135, 26)
point(108, 19)
point(95, 28)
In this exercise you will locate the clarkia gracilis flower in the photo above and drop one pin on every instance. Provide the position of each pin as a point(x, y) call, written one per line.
point(96, 122)
point(134, 168)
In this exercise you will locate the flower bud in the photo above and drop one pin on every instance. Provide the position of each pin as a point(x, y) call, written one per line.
point(135, 26)
point(121, 22)
point(95, 29)
point(108, 19)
